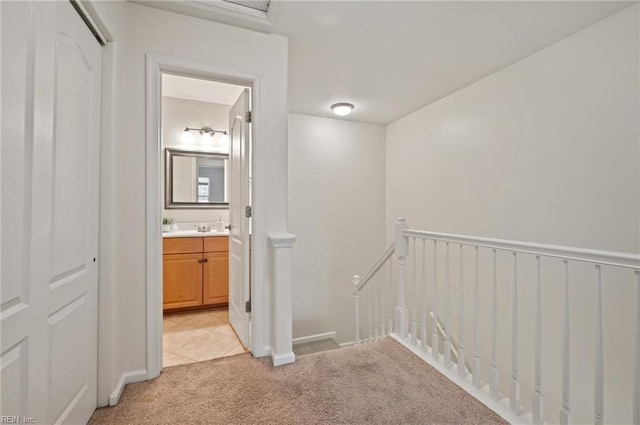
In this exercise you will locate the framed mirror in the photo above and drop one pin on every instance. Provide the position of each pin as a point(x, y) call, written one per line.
point(195, 180)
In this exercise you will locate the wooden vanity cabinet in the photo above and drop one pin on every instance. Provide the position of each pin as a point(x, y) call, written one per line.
point(195, 272)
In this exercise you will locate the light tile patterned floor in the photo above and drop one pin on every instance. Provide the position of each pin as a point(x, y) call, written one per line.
point(197, 336)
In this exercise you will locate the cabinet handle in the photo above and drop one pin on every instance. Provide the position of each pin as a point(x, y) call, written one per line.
point(201, 261)
point(205, 260)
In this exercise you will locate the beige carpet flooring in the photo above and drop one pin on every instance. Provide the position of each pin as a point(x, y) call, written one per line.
point(378, 383)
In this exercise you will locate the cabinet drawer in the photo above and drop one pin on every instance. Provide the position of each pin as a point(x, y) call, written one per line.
point(216, 244)
point(181, 245)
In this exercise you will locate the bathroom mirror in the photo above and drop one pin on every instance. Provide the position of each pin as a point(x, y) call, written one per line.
point(195, 179)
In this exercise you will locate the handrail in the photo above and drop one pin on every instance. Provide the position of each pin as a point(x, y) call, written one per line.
point(376, 266)
point(609, 258)
point(403, 320)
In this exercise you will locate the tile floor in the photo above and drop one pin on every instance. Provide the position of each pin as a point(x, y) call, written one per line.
point(197, 336)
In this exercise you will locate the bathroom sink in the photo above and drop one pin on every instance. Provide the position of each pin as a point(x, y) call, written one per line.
point(192, 234)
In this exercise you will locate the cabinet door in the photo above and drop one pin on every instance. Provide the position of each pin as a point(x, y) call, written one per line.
point(216, 278)
point(182, 280)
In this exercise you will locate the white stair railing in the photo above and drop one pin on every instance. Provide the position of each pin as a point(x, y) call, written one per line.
point(417, 251)
point(372, 291)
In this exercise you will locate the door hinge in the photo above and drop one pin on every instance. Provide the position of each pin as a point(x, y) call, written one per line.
point(248, 116)
point(247, 307)
point(247, 211)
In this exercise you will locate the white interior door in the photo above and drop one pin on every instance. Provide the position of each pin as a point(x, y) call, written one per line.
point(239, 200)
point(50, 183)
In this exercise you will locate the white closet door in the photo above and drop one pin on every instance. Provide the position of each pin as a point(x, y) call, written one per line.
point(51, 79)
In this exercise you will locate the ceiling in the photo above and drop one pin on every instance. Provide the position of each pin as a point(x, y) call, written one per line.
point(390, 58)
point(201, 90)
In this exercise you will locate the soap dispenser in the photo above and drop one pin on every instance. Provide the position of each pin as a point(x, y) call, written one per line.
point(220, 225)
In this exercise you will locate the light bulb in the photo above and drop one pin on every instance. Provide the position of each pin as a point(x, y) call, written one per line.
point(186, 137)
point(342, 109)
point(206, 138)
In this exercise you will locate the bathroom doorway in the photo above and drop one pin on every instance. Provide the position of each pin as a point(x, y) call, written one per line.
point(206, 196)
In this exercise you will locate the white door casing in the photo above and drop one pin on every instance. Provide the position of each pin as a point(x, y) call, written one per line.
point(239, 200)
point(50, 196)
point(155, 65)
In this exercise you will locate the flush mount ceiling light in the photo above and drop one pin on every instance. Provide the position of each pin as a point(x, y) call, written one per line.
point(342, 108)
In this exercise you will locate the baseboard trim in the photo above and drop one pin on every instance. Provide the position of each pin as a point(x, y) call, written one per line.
point(262, 352)
point(126, 378)
point(316, 337)
point(346, 344)
point(282, 359)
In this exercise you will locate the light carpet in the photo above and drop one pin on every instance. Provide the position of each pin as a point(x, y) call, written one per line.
point(377, 383)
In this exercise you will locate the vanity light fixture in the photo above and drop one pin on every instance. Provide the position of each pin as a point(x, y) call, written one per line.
point(205, 130)
point(342, 108)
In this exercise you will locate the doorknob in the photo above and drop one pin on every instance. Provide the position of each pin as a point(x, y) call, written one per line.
point(228, 226)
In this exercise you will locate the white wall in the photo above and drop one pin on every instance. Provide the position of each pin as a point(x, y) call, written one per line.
point(545, 150)
point(542, 151)
point(178, 114)
point(137, 31)
point(110, 367)
point(336, 209)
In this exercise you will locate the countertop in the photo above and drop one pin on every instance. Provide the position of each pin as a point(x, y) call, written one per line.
point(193, 234)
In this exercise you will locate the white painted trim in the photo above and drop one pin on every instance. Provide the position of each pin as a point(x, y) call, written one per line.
point(610, 258)
point(347, 344)
point(107, 323)
point(155, 65)
point(217, 11)
point(500, 408)
point(236, 10)
point(286, 240)
point(283, 358)
point(313, 338)
point(153, 213)
point(126, 378)
point(281, 265)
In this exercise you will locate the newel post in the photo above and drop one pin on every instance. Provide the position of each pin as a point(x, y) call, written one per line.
point(281, 265)
point(356, 297)
point(402, 247)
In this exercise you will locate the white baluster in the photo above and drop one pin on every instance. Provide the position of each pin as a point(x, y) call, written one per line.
point(374, 296)
point(447, 318)
point(414, 298)
point(461, 319)
point(434, 334)
point(356, 297)
point(566, 371)
point(514, 399)
point(423, 328)
point(636, 395)
point(476, 320)
point(369, 328)
point(402, 318)
point(598, 413)
point(390, 309)
point(537, 391)
point(493, 387)
point(382, 312)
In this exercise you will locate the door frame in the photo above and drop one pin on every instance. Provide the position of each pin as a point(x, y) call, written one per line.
point(155, 66)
